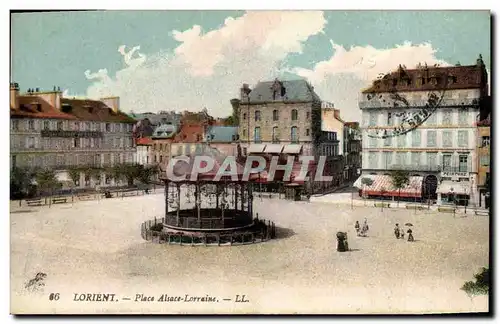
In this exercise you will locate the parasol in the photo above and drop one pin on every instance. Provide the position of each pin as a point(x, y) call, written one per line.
point(408, 224)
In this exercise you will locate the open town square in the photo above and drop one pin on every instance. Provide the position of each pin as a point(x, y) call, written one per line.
point(95, 246)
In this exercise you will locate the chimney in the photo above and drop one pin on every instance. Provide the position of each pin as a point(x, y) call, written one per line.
point(14, 93)
point(245, 91)
point(113, 103)
point(52, 97)
point(336, 113)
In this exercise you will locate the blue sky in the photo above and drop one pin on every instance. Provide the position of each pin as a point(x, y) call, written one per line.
point(180, 66)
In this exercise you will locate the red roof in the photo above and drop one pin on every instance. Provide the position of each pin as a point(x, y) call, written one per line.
point(190, 133)
point(450, 77)
point(144, 141)
point(36, 107)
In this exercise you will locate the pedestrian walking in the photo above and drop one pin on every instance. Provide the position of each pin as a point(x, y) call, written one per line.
point(410, 235)
point(357, 227)
point(397, 231)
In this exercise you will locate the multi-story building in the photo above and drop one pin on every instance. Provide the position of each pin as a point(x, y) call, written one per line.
point(484, 160)
point(431, 114)
point(144, 147)
point(49, 131)
point(223, 138)
point(352, 150)
point(162, 139)
point(280, 118)
point(331, 144)
point(188, 139)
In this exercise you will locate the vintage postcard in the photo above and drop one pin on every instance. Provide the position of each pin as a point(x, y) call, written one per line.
point(250, 162)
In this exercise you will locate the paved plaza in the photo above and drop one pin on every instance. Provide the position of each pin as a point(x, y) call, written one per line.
point(96, 247)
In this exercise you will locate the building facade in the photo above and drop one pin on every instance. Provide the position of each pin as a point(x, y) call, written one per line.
point(52, 132)
point(352, 151)
point(225, 139)
point(484, 161)
point(280, 118)
point(144, 147)
point(162, 139)
point(438, 146)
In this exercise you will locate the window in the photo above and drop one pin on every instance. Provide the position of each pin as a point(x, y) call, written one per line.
point(31, 125)
point(256, 135)
point(432, 120)
point(387, 141)
point(387, 160)
point(15, 125)
point(161, 147)
point(13, 161)
point(87, 126)
point(485, 141)
point(415, 138)
point(463, 138)
point(60, 125)
point(108, 127)
point(446, 162)
point(294, 136)
point(485, 160)
point(447, 139)
point(307, 132)
point(447, 117)
point(46, 125)
point(400, 158)
point(402, 140)
point(462, 163)
point(257, 115)
point(275, 135)
point(389, 119)
point(431, 159)
point(108, 179)
point(76, 142)
point(244, 116)
point(161, 158)
point(373, 119)
point(295, 114)
point(308, 115)
point(275, 115)
point(431, 138)
point(415, 158)
point(31, 142)
point(463, 116)
point(87, 180)
point(373, 142)
point(372, 160)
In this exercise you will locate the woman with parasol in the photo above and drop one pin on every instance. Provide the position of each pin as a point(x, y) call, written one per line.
point(410, 232)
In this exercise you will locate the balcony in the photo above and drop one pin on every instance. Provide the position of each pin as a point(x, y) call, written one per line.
point(374, 103)
point(408, 167)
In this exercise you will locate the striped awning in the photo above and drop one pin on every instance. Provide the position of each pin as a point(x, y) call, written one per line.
point(382, 186)
point(256, 148)
point(273, 148)
point(459, 188)
point(292, 149)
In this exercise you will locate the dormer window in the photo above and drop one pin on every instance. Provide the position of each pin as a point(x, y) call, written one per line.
point(38, 107)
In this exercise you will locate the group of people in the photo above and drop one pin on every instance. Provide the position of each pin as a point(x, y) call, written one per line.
point(362, 231)
point(400, 233)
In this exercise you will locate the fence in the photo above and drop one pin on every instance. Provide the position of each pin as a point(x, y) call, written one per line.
point(261, 231)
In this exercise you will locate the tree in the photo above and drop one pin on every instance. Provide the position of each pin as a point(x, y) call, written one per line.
point(481, 286)
point(399, 179)
point(366, 182)
point(146, 173)
point(47, 181)
point(20, 182)
point(74, 174)
point(93, 173)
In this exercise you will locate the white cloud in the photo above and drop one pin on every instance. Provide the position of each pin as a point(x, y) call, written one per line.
point(341, 78)
point(207, 69)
